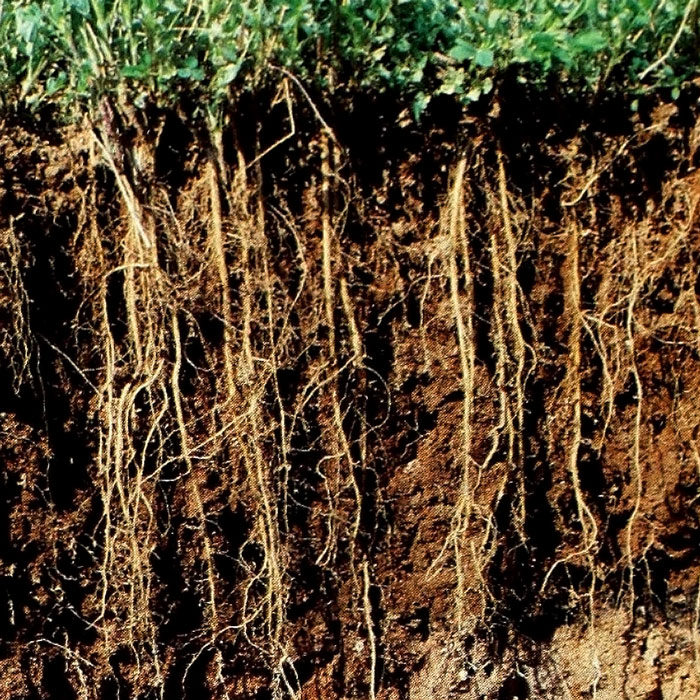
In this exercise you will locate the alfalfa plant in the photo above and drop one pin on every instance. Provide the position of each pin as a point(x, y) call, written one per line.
point(74, 53)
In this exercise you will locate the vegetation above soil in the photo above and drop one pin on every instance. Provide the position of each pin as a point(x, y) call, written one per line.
point(76, 51)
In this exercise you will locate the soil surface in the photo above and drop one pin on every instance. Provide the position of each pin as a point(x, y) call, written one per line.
point(353, 408)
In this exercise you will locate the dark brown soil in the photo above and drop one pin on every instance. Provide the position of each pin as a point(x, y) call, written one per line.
point(384, 412)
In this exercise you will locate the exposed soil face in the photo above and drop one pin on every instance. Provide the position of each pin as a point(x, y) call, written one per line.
point(378, 413)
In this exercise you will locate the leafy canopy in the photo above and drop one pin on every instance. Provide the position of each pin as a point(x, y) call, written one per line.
point(76, 51)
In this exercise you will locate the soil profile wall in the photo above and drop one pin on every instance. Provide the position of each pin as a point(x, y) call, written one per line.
point(341, 412)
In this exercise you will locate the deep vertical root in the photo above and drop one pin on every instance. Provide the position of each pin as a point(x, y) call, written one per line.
point(518, 349)
point(219, 260)
point(455, 231)
point(636, 467)
point(342, 442)
point(465, 333)
point(572, 295)
point(195, 499)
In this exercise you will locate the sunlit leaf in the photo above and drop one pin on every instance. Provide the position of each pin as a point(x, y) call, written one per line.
point(484, 58)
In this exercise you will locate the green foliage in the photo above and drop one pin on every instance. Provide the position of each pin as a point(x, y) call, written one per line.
point(76, 51)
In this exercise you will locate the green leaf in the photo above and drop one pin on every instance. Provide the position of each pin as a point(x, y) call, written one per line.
point(420, 103)
point(227, 74)
point(416, 73)
point(190, 70)
point(484, 58)
point(592, 41)
point(452, 82)
point(82, 7)
point(493, 18)
point(56, 83)
point(461, 51)
point(139, 71)
point(28, 21)
point(229, 53)
point(190, 74)
point(544, 40)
